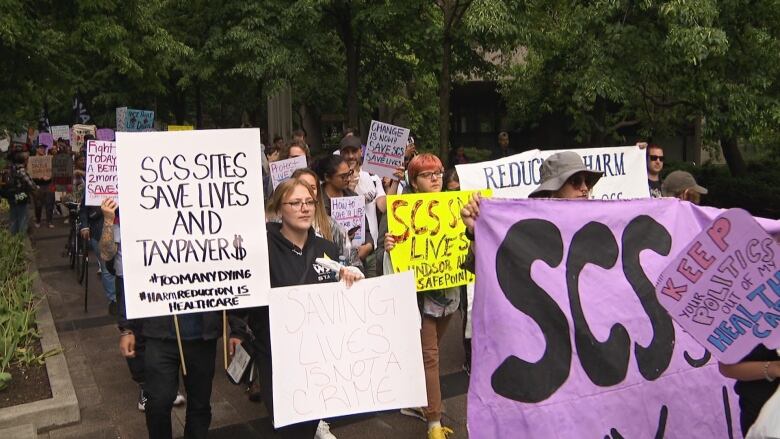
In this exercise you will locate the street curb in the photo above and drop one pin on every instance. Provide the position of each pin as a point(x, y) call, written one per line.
point(26, 431)
point(63, 407)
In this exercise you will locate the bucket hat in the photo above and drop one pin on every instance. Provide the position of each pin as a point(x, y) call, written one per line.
point(557, 168)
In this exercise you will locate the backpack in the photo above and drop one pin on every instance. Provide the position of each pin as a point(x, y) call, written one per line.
point(16, 190)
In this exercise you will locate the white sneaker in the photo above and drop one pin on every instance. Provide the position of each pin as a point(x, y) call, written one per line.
point(180, 399)
point(323, 431)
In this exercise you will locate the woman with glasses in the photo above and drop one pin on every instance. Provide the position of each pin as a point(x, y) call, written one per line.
point(324, 225)
point(293, 247)
point(437, 307)
point(335, 175)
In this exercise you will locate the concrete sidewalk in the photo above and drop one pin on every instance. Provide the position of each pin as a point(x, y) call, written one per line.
point(107, 396)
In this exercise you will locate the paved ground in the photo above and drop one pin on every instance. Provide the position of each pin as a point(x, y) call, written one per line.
point(107, 395)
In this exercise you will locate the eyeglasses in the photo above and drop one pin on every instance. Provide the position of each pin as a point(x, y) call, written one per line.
point(346, 175)
point(298, 204)
point(577, 180)
point(660, 158)
point(429, 175)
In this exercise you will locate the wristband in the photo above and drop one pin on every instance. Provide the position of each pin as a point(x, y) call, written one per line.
point(469, 234)
point(126, 332)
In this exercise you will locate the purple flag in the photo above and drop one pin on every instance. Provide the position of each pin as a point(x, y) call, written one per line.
point(723, 288)
point(569, 337)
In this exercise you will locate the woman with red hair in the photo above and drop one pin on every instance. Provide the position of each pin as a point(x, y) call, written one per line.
point(426, 175)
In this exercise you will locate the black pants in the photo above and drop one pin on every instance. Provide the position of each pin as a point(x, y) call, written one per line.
point(135, 364)
point(304, 430)
point(162, 381)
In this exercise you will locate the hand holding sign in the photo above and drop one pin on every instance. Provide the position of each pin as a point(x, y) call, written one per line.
point(724, 287)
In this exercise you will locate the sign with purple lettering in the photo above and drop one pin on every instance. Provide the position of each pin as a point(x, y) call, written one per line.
point(101, 175)
point(105, 134)
point(281, 170)
point(350, 213)
point(569, 332)
point(385, 149)
point(724, 287)
point(193, 225)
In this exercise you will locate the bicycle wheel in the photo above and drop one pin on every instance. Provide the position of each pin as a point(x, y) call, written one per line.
point(84, 265)
point(79, 249)
point(73, 249)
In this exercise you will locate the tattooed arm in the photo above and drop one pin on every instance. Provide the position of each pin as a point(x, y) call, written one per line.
point(107, 245)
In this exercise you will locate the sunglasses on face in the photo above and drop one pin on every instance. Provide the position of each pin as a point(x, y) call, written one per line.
point(577, 180)
point(346, 175)
point(660, 158)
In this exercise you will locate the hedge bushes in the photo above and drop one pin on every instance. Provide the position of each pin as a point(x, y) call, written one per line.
point(18, 307)
point(758, 191)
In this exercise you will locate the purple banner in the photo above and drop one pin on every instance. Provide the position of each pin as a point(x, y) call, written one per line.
point(569, 337)
point(723, 288)
point(105, 134)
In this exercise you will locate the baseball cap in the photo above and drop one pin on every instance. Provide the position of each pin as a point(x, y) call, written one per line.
point(678, 181)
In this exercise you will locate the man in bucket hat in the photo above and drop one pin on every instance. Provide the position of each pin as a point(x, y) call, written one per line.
point(682, 185)
point(564, 175)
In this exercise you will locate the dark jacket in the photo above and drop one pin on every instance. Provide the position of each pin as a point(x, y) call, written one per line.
point(91, 217)
point(288, 265)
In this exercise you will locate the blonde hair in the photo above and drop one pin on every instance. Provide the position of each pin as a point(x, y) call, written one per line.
point(321, 221)
point(282, 191)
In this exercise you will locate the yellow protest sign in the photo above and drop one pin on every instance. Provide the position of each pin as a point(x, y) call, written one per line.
point(180, 128)
point(430, 238)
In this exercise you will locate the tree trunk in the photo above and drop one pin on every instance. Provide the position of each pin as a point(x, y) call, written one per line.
point(445, 80)
point(198, 108)
point(353, 65)
point(733, 156)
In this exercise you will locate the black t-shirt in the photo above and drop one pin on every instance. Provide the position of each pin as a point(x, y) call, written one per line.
point(754, 394)
point(655, 188)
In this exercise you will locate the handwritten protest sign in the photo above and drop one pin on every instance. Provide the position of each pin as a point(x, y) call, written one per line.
point(180, 128)
point(350, 212)
point(39, 167)
point(45, 139)
point(571, 338)
point(339, 351)
point(624, 167)
point(723, 287)
point(281, 170)
point(192, 221)
point(139, 120)
point(430, 238)
point(77, 134)
point(101, 172)
point(62, 172)
point(385, 149)
point(121, 119)
point(60, 132)
point(130, 120)
point(105, 134)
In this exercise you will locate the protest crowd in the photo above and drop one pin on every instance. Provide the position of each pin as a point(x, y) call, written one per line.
point(333, 217)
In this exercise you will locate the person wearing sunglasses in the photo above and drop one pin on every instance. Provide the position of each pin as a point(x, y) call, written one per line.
point(655, 163)
point(335, 174)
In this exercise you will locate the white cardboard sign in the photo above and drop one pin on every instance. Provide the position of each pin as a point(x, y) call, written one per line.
point(624, 167)
point(281, 170)
point(193, 228)
point(339, 351)
point(102, 181)
point(385, 149)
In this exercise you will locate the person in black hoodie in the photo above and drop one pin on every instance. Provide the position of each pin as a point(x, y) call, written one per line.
point(293, 247)
point(160, 369)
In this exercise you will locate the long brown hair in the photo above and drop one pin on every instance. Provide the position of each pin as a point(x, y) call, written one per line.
point(320, 216)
